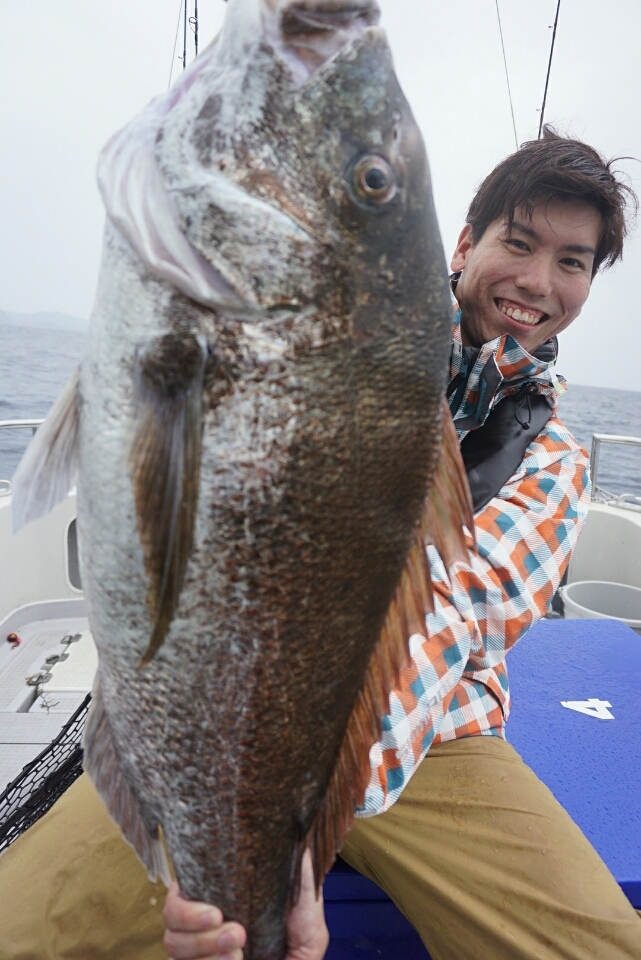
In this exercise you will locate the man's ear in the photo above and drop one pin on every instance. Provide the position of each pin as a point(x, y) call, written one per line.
point(463, 247)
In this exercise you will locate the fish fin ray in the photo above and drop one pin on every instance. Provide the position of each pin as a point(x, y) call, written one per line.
point(449, 504)
point(48, 469)
point(165, 469)
point(448, 507)
point(102, 767)
point(351, 773)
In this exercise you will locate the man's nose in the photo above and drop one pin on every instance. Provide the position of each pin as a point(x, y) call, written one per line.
point(536, 276)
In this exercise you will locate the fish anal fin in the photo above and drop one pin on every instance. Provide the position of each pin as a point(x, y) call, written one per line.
point(47, 471)
point(103, 768)
point(165, 467)
point(449, 504)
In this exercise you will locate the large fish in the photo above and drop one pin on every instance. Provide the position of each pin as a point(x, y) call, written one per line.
point(254, 428)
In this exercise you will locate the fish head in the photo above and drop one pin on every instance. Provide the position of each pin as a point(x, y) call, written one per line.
point(373, 177)
point(295, 167)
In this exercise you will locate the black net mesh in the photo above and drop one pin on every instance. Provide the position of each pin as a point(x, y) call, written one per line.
point(44, 780)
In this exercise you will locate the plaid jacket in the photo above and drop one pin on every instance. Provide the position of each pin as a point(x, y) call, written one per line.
point(456, 683)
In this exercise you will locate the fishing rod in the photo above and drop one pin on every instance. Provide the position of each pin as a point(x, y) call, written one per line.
point(547, 79)
point(194, 26)
point(184, 56)
point(194, 23)
point(507, 76)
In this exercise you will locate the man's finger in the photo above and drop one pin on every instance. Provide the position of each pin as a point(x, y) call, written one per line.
point(307, 883)
point(236, 955)
point(189, 916)
point(223, 944)
point(307, 935)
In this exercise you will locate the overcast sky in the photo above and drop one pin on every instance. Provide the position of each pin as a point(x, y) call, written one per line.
point(73, 71)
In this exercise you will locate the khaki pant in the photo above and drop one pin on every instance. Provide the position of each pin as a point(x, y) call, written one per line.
point(477, 853)
point(72, 889)
point(487, 865)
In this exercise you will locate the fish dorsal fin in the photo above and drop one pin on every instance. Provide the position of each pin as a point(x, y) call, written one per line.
point(100, 761)
point(165, 467)
point(447, 509)
point(47, 471)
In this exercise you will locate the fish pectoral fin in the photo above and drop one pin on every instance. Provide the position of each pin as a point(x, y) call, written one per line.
point(165, 467)
point(101, 764)
point(48, 469)
point(449, 505)
point(448, 509)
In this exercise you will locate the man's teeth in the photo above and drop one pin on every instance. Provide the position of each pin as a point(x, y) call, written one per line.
point(522, 315)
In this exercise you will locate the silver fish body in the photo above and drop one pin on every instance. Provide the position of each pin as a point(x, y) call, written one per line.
point(259, 422)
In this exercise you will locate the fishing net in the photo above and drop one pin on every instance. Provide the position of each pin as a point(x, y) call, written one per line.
point(44, 780)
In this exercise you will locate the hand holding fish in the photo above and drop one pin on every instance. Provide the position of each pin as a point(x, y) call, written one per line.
point(195, 931)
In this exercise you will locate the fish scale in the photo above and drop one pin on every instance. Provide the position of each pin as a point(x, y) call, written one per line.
point(255, 428)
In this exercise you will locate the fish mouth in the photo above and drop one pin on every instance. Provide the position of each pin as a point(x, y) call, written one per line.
point(306, 34)
point(305, 17)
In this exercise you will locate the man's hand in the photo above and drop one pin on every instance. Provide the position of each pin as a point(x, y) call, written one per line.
point(196, 931)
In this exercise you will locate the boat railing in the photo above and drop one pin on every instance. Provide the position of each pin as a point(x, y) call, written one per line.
point(20, 425)
point(5, 485)
point(628, 501)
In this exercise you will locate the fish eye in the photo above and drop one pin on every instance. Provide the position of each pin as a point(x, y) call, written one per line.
point(374, 180)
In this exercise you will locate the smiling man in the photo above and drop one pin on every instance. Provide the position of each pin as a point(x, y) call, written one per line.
point(461, 834)
point(528, 278)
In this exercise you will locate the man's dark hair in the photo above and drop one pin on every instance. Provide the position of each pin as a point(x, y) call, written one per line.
point(556, 168)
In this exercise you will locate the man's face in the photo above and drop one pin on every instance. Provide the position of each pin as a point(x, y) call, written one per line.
point(530, 281)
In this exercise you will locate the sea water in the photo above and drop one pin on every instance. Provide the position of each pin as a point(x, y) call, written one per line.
point(36, 364)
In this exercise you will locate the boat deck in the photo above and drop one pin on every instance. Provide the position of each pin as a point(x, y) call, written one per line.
point(61, 675)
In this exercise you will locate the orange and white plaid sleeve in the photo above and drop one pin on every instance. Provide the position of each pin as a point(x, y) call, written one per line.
point(455, 684)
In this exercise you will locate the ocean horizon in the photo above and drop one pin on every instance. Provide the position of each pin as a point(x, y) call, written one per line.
point(36, 363)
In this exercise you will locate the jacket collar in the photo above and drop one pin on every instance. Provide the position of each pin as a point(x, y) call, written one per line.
point(481, 376)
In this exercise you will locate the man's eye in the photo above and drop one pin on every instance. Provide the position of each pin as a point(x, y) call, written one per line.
point(572, 262)
point(517, 244)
